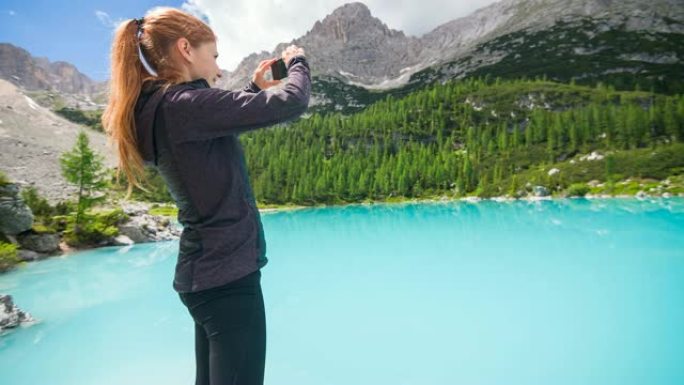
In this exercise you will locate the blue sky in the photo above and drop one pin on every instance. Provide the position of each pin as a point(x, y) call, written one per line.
point(68, 30)
point(80, 32)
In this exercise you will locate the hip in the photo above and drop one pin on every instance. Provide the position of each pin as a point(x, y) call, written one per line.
point(248, 285)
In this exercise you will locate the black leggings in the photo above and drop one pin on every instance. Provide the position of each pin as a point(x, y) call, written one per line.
point(230, 332)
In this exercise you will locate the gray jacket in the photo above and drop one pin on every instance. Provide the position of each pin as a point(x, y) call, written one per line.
point(190, 135)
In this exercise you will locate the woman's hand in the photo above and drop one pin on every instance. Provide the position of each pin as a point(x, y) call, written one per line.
point(290, 52)
point(258, 76)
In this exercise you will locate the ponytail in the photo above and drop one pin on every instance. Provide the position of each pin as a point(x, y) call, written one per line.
point(117, 118)
point(137, 58)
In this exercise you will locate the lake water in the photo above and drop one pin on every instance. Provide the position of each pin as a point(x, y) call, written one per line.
point(549, 292)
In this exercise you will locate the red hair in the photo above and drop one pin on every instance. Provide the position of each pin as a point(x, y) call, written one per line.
point(162, 27)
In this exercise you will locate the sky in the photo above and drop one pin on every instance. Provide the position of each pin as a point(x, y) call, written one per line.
point(80, 32)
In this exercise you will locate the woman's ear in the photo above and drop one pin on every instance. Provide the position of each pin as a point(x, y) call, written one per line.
point(185, 49)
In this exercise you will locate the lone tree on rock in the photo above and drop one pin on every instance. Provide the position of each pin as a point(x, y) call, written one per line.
point(84, 167)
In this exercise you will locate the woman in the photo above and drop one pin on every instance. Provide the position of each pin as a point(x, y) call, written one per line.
point(163, 112)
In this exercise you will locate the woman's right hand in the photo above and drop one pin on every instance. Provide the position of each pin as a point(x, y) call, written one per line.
point(290, 52)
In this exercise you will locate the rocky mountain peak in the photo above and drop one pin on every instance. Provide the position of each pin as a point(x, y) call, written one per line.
point(352, 22)
point(352, 10)
point(348, 42)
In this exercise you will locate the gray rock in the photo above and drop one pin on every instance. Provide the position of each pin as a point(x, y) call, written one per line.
point(122, 240)
point(42, 243)
point(144, 227)
point(29, 255)
point(10, 315)
point(12, 239)
point(15, 215)
point(135, 233)
point(135, 208)
point(540, 191)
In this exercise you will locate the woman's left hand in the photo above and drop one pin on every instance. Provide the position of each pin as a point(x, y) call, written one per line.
point(258, 76)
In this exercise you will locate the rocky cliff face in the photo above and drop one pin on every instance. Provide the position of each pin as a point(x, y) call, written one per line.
point(349, 43)
point(38, 73)
point(356, 47)
point(453, 39)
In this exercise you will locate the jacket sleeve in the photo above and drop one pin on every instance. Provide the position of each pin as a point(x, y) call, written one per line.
point(251, 87)
point(206, 113)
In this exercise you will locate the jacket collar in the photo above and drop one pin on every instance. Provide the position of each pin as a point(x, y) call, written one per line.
point(198, 83)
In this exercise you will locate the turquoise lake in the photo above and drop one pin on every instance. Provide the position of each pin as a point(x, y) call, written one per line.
point(546, 292)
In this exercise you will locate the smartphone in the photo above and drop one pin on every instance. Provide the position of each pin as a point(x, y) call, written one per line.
point(279, 69)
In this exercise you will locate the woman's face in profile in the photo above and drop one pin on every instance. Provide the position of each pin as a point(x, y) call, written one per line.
point(205, 65)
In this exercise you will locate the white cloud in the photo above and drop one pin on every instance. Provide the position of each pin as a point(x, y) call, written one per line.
point(247, 26)
point(106, 20)
point(11, 12)
point(103, 17)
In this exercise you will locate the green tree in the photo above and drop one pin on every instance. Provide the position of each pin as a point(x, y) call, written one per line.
point(610, 167)
point(84, 167)
point(513, 189)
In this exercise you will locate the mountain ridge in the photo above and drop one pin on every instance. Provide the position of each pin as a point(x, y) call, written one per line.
point(448, 41)
point(356, 58)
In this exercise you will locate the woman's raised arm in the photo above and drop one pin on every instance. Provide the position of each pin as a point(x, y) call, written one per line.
point(206, 113)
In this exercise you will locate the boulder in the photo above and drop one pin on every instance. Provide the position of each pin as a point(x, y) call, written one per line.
point(593, 156)
point(540, 191)
point(42, 243)
point(134, 232)
point(10, 315)
point(135, 208)
point(122, 240)
point(15, 215)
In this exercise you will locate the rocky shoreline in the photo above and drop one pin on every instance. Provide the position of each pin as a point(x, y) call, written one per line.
point(143, 227)
point(537, 193)
point(16, 226)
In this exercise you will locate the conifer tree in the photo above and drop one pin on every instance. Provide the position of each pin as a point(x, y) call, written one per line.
point(84, 167)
